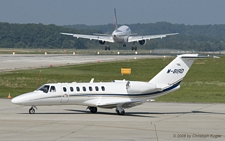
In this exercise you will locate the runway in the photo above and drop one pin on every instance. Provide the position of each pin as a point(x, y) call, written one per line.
point(150, 121)
point(9, 62)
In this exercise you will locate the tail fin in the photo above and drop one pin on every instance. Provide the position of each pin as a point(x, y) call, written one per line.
point(115, 20)
point(175, 71)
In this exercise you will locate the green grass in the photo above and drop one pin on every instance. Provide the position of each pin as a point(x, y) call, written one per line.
point(205, 82)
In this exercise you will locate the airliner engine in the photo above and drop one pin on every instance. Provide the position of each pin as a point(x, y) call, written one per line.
point(101, 42)
point(142, 42)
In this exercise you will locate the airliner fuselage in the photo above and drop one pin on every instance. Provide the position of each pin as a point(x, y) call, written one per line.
point(121, 34)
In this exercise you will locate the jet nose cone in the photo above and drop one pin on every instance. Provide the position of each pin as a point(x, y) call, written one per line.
point(17, 100)
point(14, 100)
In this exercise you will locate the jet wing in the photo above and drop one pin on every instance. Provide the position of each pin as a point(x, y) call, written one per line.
point(125, 105)
point(91, 37)
point(148, 37)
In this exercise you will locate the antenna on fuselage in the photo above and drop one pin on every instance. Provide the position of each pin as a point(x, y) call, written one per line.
point(115, 19)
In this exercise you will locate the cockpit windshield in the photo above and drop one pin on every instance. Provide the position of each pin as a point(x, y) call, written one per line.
point(44, 88)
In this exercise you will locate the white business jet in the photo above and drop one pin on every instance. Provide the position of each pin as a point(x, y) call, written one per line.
point(119, 94)
point(121, 35)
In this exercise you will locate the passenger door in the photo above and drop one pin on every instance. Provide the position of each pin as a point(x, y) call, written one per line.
point(65, 95)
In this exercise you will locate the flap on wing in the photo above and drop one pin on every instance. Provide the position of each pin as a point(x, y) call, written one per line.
point(91, 37)
point(124, 105)
point(148, 37)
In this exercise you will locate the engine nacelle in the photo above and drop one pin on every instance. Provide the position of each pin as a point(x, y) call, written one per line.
point(142, 42)
point(140, 87)
point(101, 42)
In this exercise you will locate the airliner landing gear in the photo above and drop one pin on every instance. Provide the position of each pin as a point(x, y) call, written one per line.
point(107, 47)
point(32, 110)
point(93, 109)
point(120, 111)
point(134, 48)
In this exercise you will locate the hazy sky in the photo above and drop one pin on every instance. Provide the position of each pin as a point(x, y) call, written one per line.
point(94, 12)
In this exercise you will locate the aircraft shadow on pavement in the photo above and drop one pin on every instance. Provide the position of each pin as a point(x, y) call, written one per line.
point(133, 114)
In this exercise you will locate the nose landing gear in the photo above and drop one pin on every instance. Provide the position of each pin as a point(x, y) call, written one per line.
point(32, 110)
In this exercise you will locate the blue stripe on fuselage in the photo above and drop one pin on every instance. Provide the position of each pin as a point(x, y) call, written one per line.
point(130, 95)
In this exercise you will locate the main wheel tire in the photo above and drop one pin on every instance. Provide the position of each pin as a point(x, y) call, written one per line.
point(120, 113)
point(93, 109)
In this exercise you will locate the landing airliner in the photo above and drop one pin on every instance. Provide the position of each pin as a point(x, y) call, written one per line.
point(119, 94)
point(121, 35)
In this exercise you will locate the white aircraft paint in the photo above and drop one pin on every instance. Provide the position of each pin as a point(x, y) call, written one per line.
point(119, 94)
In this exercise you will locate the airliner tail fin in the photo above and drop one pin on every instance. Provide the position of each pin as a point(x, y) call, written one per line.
point(115, 20)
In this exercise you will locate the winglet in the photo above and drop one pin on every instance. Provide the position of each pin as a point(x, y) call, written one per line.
point(115, 19)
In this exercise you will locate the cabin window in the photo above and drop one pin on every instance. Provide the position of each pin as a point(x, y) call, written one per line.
point(103, 88)
point(84, 89)
point(52, 89)
point(90, 88)
point(64, 89)
point(96, 88)
point(78, 89)
point(71, 89)
point(44, 88)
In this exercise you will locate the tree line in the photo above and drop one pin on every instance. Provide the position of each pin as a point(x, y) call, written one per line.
point(190, 37)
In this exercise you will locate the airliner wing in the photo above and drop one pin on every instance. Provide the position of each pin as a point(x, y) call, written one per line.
point(91, 37)
point(148, 37)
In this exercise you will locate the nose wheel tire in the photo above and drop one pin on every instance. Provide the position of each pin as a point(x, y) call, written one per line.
point(31, 110)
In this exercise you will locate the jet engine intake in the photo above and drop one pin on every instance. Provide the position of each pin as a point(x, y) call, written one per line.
point(101, 42)
point(142, 42)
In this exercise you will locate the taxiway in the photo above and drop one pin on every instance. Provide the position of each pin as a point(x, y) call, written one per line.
point(150, 121)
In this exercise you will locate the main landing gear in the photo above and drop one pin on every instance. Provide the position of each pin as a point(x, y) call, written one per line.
point(120, 111)
point(134, 48)
point(92, 109)
point(32, 110)
point(107, 47)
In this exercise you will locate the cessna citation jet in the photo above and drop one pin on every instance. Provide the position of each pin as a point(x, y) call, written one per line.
point(119, 94)
point(121, 35)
